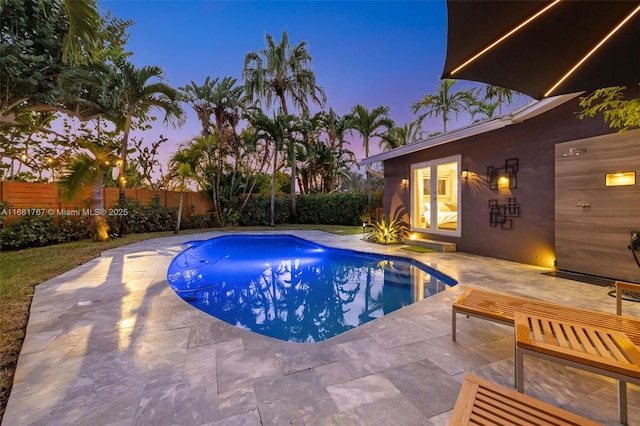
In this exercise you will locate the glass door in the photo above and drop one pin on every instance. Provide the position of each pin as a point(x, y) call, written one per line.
point(435, 196)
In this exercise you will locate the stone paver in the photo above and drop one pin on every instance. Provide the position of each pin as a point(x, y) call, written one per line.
point(109, 343)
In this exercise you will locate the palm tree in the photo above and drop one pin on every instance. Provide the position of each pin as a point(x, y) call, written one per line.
point(85, 170)
point(276, 130)
point(221, 99)
point(336, 128)
point(500, 94)
point(282, 72)
point(482, 108)
point(399, 136)
point(134, 96)
point(182, 165)
point(443, 102)
point(84, 36)
point(369, 125)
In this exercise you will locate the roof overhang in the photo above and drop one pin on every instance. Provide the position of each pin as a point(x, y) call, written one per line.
point(526, 112)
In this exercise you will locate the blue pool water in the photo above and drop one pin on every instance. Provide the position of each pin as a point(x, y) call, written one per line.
point(295, 290)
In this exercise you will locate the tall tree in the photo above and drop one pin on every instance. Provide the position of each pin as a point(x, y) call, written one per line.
point(336, 128)
point(42, 39)
point(398, 136)
point(443, 103)
point(370, 124)
point(483, 108)
point(182, 166)
point(502, 95)
point(136, 92)
point(277, 131)
point(220, 99)
point(282, 72)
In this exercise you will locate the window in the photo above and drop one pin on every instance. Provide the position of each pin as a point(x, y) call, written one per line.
point(435, 196)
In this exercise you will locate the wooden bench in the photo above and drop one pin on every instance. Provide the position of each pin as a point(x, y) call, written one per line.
point(481, 402)
point(500, 308)
point(598, 350)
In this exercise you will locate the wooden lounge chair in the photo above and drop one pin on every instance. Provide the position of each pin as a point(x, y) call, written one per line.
point(481, 402)
point(500, 308)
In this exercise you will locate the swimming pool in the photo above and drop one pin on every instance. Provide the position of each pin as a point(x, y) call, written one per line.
point(292, 289)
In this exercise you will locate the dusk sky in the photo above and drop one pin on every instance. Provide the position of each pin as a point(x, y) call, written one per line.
point(365, 52)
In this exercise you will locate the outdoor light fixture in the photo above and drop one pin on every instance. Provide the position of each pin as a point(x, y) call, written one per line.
point(620, 179)
point(405, 181)
point(465, 174)
point(504, 177)
point(503, 182)
point(575, 152)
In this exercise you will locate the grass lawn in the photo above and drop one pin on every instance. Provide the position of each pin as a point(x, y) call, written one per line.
point(23, 270)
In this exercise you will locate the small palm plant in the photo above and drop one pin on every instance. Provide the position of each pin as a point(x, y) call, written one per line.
point(388, 231)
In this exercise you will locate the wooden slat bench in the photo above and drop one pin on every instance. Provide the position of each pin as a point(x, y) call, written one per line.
point(481, 402)
point(500, 307)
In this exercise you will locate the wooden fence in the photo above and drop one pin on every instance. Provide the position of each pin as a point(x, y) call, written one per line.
point(44, 199)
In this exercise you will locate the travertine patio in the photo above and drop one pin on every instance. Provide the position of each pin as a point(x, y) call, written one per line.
point(110, 343)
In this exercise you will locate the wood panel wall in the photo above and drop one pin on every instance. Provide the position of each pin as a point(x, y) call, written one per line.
point(24, 195)
point(593, 240)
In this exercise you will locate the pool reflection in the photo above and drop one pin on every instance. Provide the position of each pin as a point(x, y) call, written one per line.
point(304, 297)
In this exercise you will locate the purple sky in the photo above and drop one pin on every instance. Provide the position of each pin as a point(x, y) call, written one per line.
point(365, 52)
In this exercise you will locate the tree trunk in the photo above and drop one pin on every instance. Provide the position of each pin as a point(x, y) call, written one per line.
point(98, 221)
point(367, 174)
point(273, 187)
point(122, 175)
point(177, 227)
point(294, 213)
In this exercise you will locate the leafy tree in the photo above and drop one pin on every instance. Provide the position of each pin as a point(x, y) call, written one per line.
point(616, 111)
point(222, 100)
point(87, 170)
point(137, 91)
point(398, 136)
point(37, 39)
point(282, 72)
point(277, 131)
point(483, 108)
point(502, 95)
point(370, 124)
point(182, 165)
point(443, 103)
point(146, 161)
point(336, 128)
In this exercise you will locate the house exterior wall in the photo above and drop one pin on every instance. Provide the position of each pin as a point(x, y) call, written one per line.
point(531, 239)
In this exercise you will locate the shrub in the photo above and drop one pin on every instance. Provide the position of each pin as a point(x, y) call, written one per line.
point(317, 209)
point(155, 217)
point(258, 211)
point(334, 209)
point(388, 231)
point(140, 218)
point(38, 231)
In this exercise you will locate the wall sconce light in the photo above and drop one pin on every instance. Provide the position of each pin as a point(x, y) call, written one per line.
point(620, 179)
point(503, 182)
point(405, 181)
point(465, 174)
point(504, 177)
point(574, 152)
